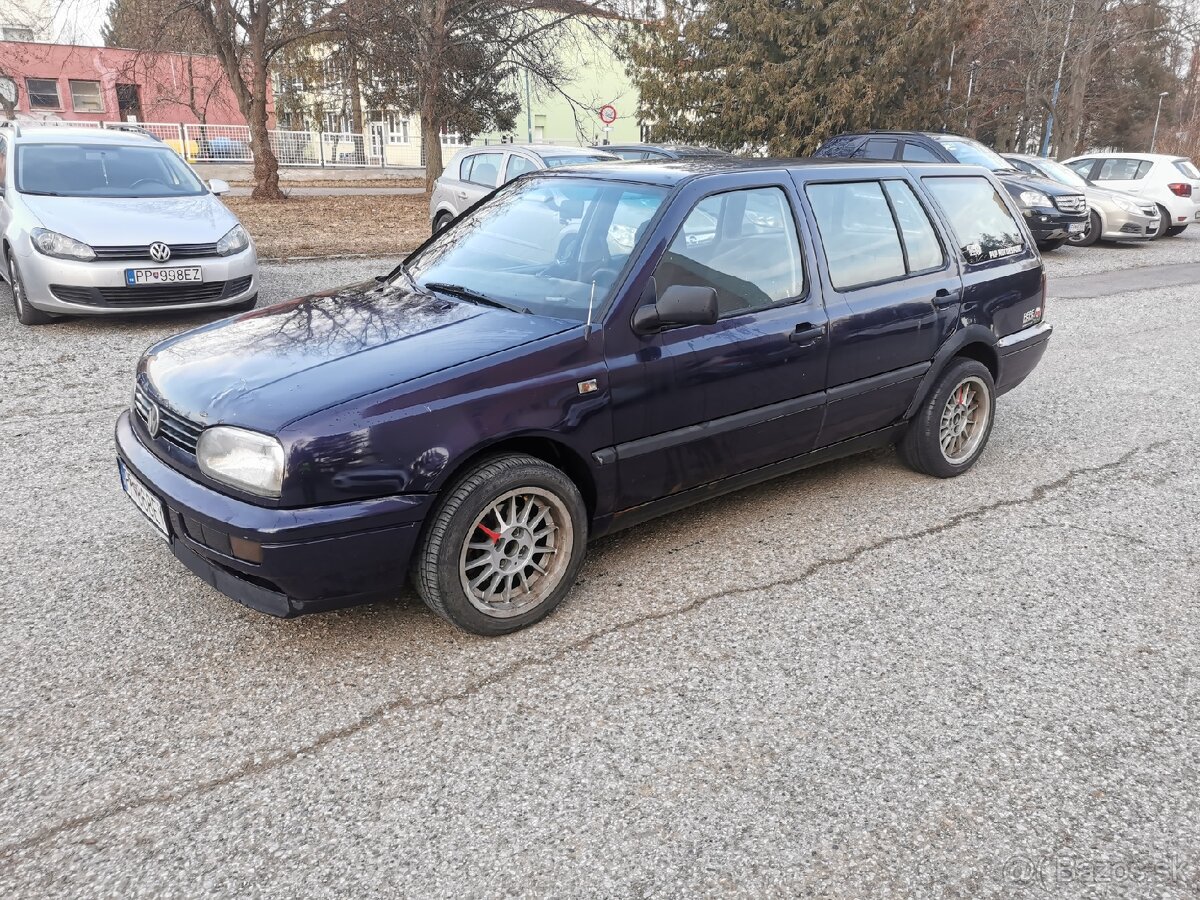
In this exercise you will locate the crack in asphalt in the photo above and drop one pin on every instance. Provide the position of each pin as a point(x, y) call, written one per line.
point(409, 704)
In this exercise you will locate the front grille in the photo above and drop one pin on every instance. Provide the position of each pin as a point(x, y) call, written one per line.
point(134, 251)
point(1150, 210)
point(173, 428)
point(151, 295)
point(1071, 203)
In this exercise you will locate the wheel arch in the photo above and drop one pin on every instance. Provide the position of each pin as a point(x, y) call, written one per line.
point(973, 342)
point(548, 449)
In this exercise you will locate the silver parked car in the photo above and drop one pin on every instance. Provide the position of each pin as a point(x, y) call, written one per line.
point(478, 171)
point(1113, 216)
point(96, 222)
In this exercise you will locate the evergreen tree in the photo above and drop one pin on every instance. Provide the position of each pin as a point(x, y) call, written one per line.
point(780, 76)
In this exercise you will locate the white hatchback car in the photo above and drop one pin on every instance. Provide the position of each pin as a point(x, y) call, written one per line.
point(96, 222)
point(1172, 182)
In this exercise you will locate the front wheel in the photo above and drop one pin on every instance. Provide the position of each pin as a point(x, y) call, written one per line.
point(1175, 230)
point(503, 547)
point(26, 314)
point(1164, 223)
point(1047, 246)
point(954, 422)
point(443, 219)
point(1090, 234)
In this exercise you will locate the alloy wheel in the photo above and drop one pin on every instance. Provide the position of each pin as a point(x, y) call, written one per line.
point(964, 420)
point(516, 552)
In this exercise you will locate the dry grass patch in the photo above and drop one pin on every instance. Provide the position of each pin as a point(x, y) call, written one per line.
point(330, 226)
point(286, 183)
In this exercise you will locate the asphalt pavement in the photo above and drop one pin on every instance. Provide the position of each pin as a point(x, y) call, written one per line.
point(855, 681)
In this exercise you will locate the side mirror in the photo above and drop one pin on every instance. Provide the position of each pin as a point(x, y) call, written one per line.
point(569, 210)
point(218, 187)
point(680, 304)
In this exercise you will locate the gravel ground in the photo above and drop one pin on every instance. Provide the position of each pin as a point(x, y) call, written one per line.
point(855, 681)
point(1108, 257)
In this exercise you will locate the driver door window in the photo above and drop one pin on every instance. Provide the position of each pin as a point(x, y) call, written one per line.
point(743, 244)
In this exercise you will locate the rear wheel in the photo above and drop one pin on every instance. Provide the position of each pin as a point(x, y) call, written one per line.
point(1176, 230)
point(504, 546)
point(26, 314)
point(1091, 233)
point(1047, 246)
point(953, 425)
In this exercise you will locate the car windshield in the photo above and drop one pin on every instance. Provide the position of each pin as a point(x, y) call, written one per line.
point(973, 153)
point(1060, 173)
point(550, 245)
point(104, 170)
point(578, 159)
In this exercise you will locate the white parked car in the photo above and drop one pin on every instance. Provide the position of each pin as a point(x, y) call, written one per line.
point(96, 222)
point(1172, 182)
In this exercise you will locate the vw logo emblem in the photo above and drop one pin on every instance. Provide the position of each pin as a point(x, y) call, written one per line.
point(153, 419)
point(160, 252)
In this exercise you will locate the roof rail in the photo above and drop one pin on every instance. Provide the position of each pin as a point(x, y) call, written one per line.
point(13, 124)
point(133, 128)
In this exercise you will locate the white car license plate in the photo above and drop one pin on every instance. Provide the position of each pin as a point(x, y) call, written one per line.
point(143, 499)
point(1076, 227)
point(175, 275)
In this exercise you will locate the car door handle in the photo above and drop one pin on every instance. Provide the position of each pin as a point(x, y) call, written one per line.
point(807, 333)
point(944, 297)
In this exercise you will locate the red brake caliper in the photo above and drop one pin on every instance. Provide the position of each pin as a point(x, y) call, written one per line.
point(492, 535)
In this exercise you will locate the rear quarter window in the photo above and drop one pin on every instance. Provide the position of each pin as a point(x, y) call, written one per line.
point(982, 225)
point(839, 147)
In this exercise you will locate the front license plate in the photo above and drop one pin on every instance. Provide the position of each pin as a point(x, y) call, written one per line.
point(175, 275)
point(144, 499)
point(1076, 227)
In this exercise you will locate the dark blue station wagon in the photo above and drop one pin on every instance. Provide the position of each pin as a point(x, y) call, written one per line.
point(579, 352)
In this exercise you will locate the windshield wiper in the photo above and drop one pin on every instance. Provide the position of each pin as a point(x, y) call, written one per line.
point(41, 193)
point(401, 269)
point(466, 293)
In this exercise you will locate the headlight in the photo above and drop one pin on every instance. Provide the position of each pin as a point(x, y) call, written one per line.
point(58, 245)
point(243, 459)
point(1034, 198)
point(1127, 205)
point(234, 242)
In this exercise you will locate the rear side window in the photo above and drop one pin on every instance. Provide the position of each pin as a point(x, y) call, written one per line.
point(858, 232)
point(922, 249)
point(481, 168)
point(982, 224)
point(741, 243)
point(1124, 169)
point(839, 147)
point(877, 148)
point(917, 153)
point(3, 160)
point(518, 165)
point(1185, 166)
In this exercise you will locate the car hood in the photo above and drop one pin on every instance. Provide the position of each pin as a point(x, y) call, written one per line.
point(1022, 181)
point(1099, 194)
point(120, 221)
point(271, 366)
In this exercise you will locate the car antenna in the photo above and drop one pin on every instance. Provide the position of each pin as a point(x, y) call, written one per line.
point(587, 327)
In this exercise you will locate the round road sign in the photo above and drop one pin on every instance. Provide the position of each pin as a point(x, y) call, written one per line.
point(608, 114)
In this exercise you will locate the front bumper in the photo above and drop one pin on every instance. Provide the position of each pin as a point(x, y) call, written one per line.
point(313, 558)
point(79, 284)
point(1122, 225)
point(1051, 224)
point(1019, 353)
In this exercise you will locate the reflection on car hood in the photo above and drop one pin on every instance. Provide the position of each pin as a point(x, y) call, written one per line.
point(1039, 183)
point(272, 366)
point(120, 221)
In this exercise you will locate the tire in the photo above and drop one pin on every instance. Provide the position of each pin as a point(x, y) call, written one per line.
point(1164, 223)
point(247, 304)
point(921, 448)
point(26, 314)
point(1089, 237)
point(487, 528)
point(1047, 246)
point(441, 220)
point(1176, 230)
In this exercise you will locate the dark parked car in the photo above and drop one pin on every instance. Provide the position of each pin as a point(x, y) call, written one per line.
point(634, 152)
point(584, 350)
point(1052, 211)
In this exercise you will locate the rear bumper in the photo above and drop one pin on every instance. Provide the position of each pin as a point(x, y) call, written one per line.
point(1020, 353)
point(312, 559)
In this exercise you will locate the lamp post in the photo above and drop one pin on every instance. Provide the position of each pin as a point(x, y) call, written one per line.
point(1154, 134)
point(970, 90)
